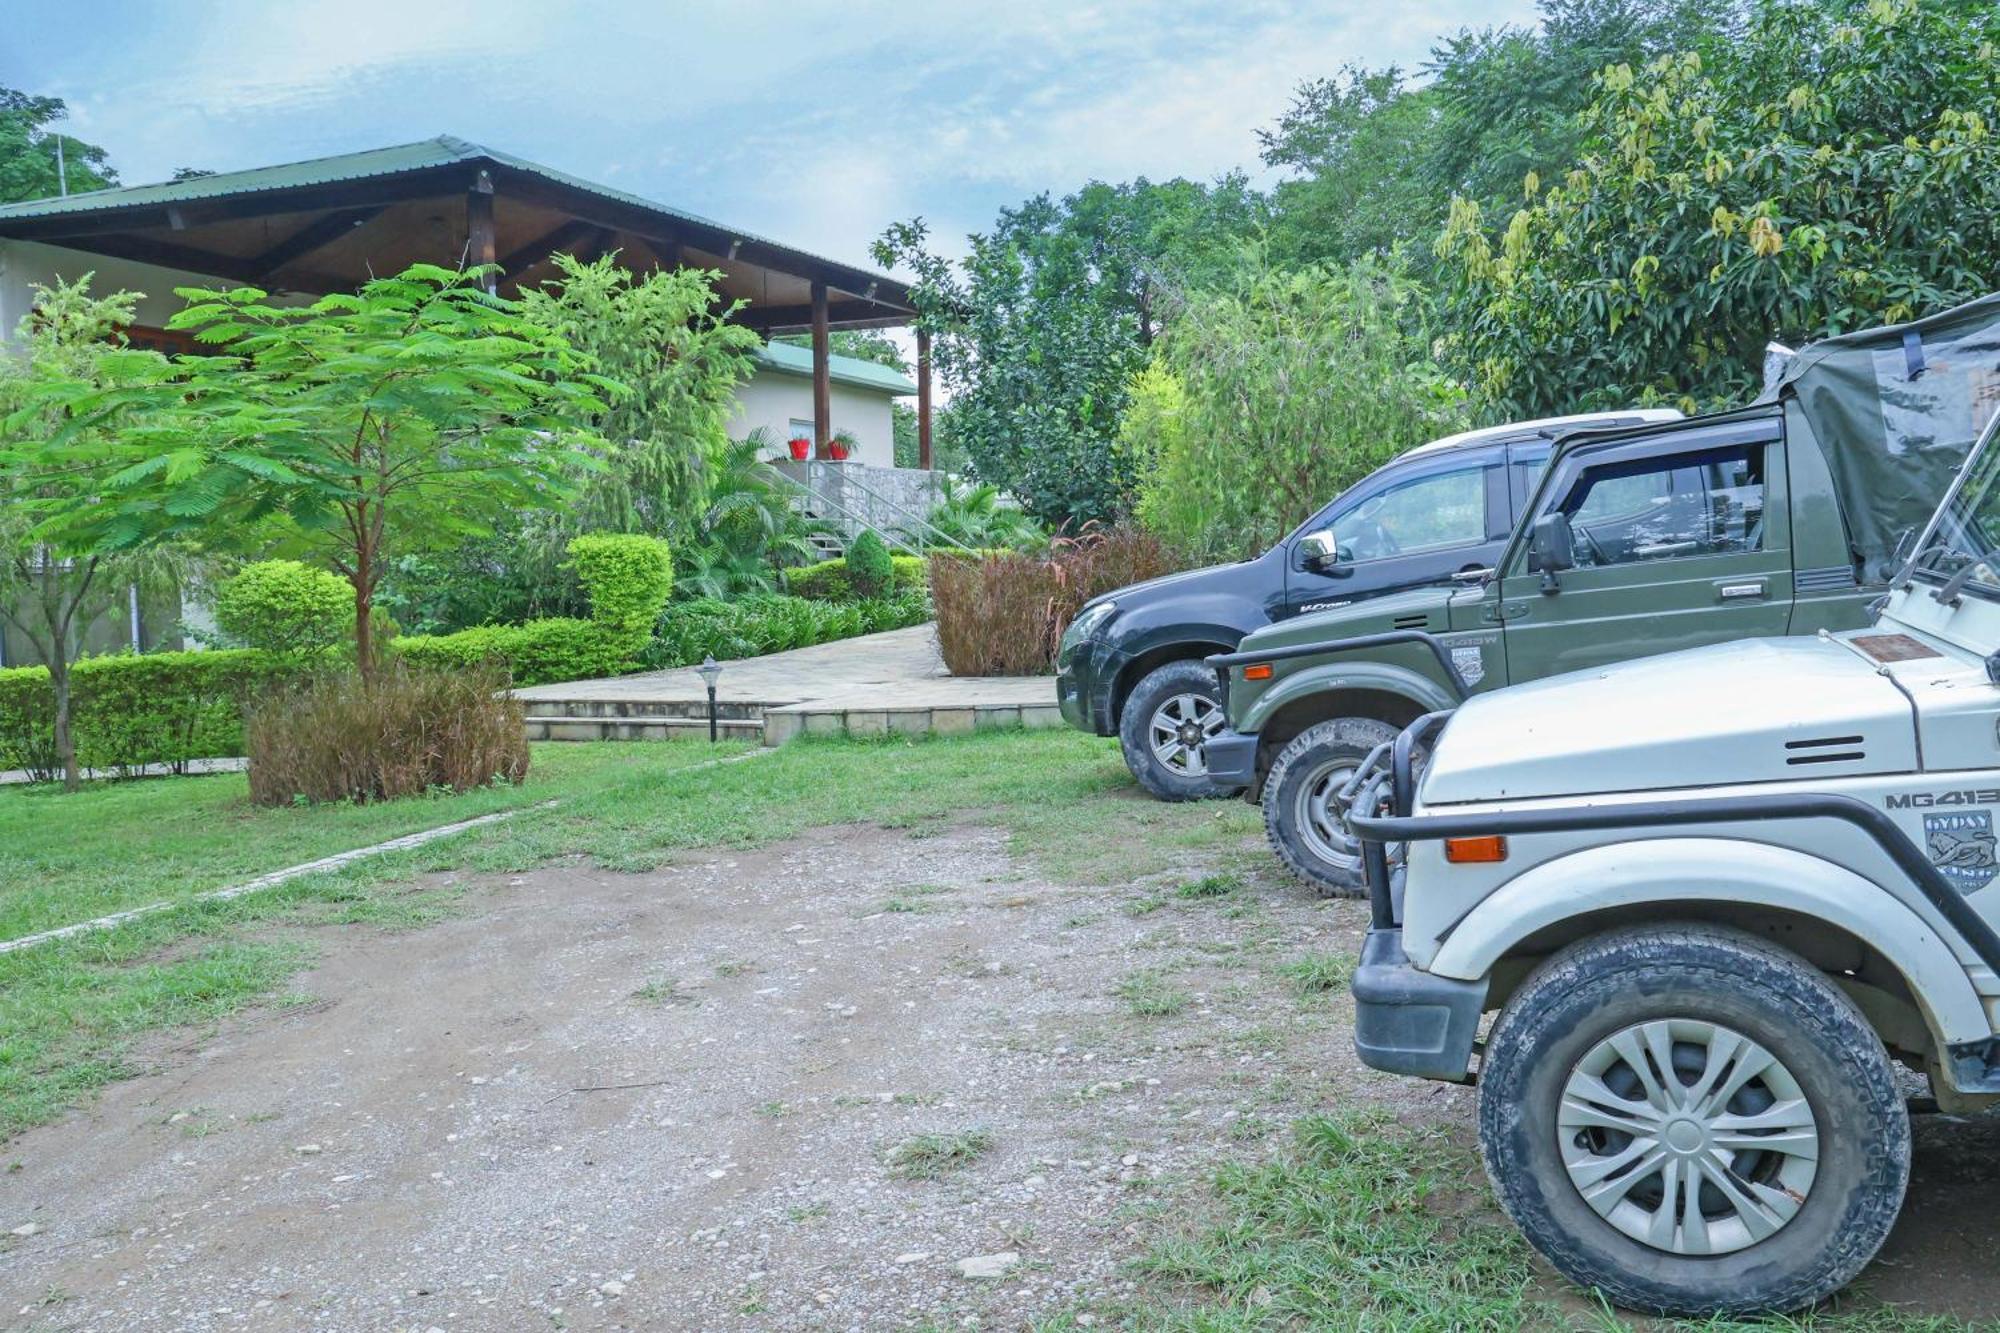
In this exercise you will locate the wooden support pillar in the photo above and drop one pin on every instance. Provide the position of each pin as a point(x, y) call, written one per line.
point(923, 399)
point(481, 241)
point(822, 381)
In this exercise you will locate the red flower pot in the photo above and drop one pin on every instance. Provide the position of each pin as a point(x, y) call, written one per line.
point(801, 449)
point(837, 452)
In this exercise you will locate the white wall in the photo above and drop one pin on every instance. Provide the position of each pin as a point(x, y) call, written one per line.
point(25, 263)
point(774, 400)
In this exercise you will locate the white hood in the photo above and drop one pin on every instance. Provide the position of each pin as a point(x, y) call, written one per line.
point(1761, 710)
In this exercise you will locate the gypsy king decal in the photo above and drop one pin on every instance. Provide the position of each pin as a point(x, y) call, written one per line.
point(1469, 656)
point(1961, 846)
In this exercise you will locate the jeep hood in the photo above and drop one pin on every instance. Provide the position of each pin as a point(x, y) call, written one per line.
point(1760, 710)
point(1419, 608)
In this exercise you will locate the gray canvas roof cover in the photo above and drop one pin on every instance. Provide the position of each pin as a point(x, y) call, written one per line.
point(1896, 409)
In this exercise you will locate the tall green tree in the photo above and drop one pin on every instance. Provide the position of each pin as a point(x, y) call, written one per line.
point(29, 129)
point(1039, 331)
point(1826, 169)
point(53, 447)
point(405, 418)
point(1265, 401)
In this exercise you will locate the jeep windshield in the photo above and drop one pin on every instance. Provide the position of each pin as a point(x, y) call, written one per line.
point(1963, 550)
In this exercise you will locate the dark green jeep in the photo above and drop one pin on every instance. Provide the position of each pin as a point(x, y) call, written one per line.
point(1778, 518)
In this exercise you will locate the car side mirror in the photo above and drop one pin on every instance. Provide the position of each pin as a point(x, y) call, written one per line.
point(1321, 553)
point(1551, 549)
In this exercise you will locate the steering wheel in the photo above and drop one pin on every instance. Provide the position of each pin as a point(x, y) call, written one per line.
point(1597, 556)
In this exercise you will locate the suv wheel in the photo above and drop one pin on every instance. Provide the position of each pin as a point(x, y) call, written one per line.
point(1300, 816)
point(1168, 717)
point(1694, 1122)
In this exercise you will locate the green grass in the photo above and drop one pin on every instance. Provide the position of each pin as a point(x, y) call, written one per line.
point(71, 1012)
point(933, 1156)
point(67, 858)
point(1319, 973)
point(1149, 994)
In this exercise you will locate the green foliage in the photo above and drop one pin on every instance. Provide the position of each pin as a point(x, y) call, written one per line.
point(404, 418)
point(627, 577)
point(1038, 332)
point(759, 624)
point(1827, 169)
point(134, 710)
point(1268, 400)
point(828, 580)
point(750, 529)
point(974, 517)
point(285, 608)
point(861, 344)
point(536, 653)
point(28, 129)
point(868, 568)
point(664, 340)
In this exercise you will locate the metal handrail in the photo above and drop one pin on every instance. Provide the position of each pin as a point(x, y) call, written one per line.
point(909, 522)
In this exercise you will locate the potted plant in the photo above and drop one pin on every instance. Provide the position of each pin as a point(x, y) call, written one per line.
point(841, 445)
point(801, 448)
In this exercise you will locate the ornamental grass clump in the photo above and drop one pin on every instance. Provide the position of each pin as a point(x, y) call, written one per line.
point(400, 731)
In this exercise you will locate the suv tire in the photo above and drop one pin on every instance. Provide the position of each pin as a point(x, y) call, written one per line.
point(1169, 706)
point(1296, 819)
point(1807, 1215)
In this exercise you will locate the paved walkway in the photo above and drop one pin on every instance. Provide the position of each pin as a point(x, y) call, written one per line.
point(876, 684)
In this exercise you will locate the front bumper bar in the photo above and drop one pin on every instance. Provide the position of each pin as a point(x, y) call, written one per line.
point(1407, 1021)
point(1231, 757)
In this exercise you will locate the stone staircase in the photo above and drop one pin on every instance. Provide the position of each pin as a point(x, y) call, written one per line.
point(640, 720)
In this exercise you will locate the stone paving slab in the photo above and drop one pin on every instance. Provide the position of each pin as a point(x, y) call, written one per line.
point(892, 683)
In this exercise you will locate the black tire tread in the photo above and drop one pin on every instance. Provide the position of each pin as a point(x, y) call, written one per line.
point(1703, 956)
point(1360, 734)
point(1187, 676)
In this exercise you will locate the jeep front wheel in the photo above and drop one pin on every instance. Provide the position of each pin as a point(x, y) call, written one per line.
point(1168, 718)
point(1301, 815)
point(1694, 1122)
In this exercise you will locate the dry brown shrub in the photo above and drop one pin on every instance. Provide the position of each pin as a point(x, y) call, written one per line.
point(402, 732)
point(1003, 614)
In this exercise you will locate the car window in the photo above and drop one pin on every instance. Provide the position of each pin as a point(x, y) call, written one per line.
point(1429, 513)
point(1706, 503)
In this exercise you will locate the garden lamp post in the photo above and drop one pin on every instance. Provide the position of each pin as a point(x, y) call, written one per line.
point(710, 671)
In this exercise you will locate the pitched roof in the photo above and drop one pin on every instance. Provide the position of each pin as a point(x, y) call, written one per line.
point(791, 359)
point(428, 155)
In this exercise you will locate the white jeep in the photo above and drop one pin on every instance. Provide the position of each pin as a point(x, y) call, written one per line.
point(1713, 896)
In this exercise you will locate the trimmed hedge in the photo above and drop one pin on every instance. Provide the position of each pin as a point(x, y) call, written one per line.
point(628, 578)
point(828, 580)
point(284, 607)
point(131, 710)
point(868, 568)
point(753, 626)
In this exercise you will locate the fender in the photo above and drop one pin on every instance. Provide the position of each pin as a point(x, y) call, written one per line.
point(1707, 870)
point(1423, 692)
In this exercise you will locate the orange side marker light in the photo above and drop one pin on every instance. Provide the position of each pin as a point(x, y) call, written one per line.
point(1475, 851)
point(1262, 671)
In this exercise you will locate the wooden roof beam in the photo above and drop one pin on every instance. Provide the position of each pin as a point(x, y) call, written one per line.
point(314, 236)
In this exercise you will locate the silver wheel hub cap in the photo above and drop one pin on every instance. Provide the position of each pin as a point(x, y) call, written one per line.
point(1320, 813)
point(1178, 729)
point(1688, 1136)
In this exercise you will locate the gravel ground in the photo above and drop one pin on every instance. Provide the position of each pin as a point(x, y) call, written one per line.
point(676, 1101)
point(673, 1100)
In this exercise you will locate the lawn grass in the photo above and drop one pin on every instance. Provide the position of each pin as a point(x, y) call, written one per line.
point(67, 858)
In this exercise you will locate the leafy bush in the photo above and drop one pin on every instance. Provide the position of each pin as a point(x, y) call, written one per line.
point(974, 517)
point(1265, 402)
point(753, 626)
point(541, 651)
point(286, 608)
point(1003, 614)
point(399, 732)
point(134, 710)
point(628, 578)
point(829, 581)
point(868, 567)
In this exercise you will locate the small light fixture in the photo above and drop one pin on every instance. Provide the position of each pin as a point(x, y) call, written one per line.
point(1261, 671)
point(710, 671)
point(1485, 850)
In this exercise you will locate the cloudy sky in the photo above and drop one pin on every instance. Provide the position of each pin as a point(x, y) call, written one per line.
point(813, 122)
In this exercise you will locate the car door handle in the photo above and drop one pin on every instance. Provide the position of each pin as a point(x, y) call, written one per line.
point(1740, 591)
point(1471, 574)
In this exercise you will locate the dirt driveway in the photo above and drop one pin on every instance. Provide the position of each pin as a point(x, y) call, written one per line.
point(698, 1098)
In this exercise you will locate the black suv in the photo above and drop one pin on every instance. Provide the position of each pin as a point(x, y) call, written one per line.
point(1131, 661)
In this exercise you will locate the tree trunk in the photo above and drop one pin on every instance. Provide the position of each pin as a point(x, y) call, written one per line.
point(364, 631)
point(65, 742)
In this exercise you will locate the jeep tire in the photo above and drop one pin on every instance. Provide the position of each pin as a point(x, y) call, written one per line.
point(1299, 818)
point(1711, 1044)
point(1168, 715)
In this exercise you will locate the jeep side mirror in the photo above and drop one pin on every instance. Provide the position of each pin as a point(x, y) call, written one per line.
point(1551, 549)
point(1321, 553)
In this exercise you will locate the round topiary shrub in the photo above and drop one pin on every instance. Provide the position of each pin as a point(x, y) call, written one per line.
point(869, 568)
point(285, 608)
point(627, 576)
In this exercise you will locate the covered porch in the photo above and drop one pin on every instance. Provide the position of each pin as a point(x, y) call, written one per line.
point(329, 224)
